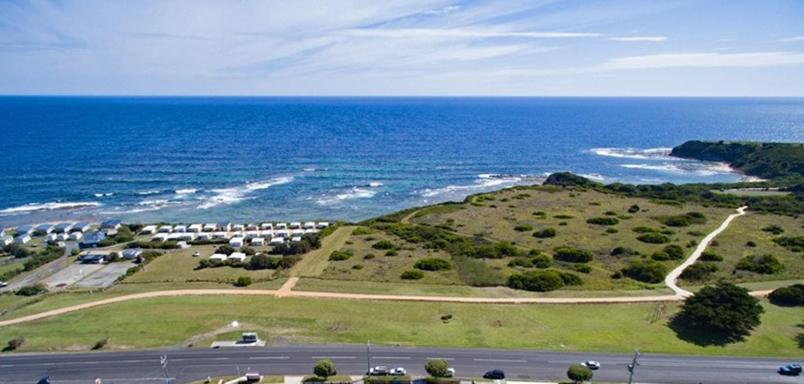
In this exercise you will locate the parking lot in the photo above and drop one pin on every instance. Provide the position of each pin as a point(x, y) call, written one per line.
point(105, 276)
point(87, 275)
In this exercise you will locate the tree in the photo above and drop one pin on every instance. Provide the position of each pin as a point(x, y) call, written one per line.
point(724, 309)
point(324, 368)
point(789, 296)
point(13, 344)
point(579, 373)
point(242, 281)
point(437, 368)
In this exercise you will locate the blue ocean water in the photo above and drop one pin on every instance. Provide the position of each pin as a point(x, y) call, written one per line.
point(253, 159)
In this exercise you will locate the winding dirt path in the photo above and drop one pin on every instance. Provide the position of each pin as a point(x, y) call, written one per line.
point(287, 291)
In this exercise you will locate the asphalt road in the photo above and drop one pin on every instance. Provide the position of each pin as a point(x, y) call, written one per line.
point(190, 364)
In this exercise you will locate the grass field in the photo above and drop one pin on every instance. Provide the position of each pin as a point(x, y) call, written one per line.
point(175, 321)
point(314, 263)
point(13, 266)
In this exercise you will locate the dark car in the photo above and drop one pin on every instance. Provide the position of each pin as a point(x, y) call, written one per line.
point(790, 370)
point(494, 374)
point(44, 380)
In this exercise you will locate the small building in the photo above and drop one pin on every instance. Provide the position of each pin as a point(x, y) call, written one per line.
point(76, 236)
point(225, 226)
point(281, 226)
point(269, 233)
point(249, 338)
point(24, 229)
point(281, 233)
point(322, 225)
point(148, 230)
point(196, 228)
point(63, 227)
point(91, 239)
point(159, 237)
point(277, 240)
point(182, 245)
point(295, 238)
point(43, 229)
point(310, 231)
point(52, 237)
point(131, 254)
point(209, 227)
point(111, 224)
point(295, 225)
point(165, 229)
point(266, 226)
point(180, 228)
point(220, 235)
point(309, 225)
point(203, 236)
point(92, 258)
point(238, 227)
point(252, 234)
point(257, 242)
point(6, 240)
point(22, 239)
point(238, 256)
point(252, 227)
point(81, 226)
point(218, 256)
point(296, 232)
point(236, 242)
point(63, 236)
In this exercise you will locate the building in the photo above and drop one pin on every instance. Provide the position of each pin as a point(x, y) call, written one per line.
point(6, 240)
point(309, 225)
point(295, 238)
point(63, 236)
point(252, 227)
point(22, 239)
point(277, 240)
point(92, 257)
point(63, 227)
point(111, 224)
point(322, 225)
point(165, 229)
point(225, 226)
point(196, 228)
point(295, 225)
point(266, 226)
point(252, 234)
point(180, 228)
point(281, 226)
point(238, 256)
point(257, 242)
point(43, 229)
point(218, 256)
point(209, 227)
point(91, 239)
point(81, 226)
point(131, 254)
point(159, 237)
point(76, 236)
point(24, 230)
point(182, 245)
point(236, 242)
point(148, 230)
point(238, 227)
point(203, 236)
point(52, 237)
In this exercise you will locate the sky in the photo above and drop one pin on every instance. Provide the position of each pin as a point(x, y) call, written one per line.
point(403, 48)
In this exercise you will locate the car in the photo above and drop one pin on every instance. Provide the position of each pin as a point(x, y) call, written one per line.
point(591, 364)
point(790, 369)
point(44, 380)
point(379, 370)
point(494, 374)
point(399, 371)
point(450, 372)
point(196, 254)
point(3, 284)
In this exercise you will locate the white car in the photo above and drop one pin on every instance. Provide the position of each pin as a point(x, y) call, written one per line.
point(379, 370)
point(591, 364)
point(399, 371)
point(196, 254)
point(450, 372)
point(3, 284)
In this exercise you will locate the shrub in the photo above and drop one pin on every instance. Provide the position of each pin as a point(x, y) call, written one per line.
point(368, 256)
point(289, 261)
point(669, 252)
point(572, 255)
point(579, 373)
point(698, 271)
point(789, 296)
point(14, 344)
point(263, 261)
point(538, 281)
point(582, 268)
point(520, 262)
point(683, 220)
point(644, 229)
point(571, 278)
point(391, 252)
point(340, 255)
point(523, 228)
point(653, 238)
point(359, 231)
point(612, 230)
point(750, 243)
point(603, 221)
point(774, 229)
point(541, 261)
point(437, 368)
point(633, 209)
point(793, 243)
point(723, 309)
point(383, 244)
point(645, 271)
point(242, 281)
point(324, 368)
point(765, 264)
point(248, 251)
point(432, 264)
point(100, 344)
point(622, 251)
point(31, 290)
point(710, 256)
point(357, 266)
point(545, 233)
point(412, 274)
point(225, 249)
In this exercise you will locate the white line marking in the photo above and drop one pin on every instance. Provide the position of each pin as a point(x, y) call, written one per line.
point(391, 357)
point(440, 358)
point(333, 357)
point(269, 358)
point(501, 360)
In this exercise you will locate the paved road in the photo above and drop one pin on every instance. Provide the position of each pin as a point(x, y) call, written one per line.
point(41, 272)
point(141, 367)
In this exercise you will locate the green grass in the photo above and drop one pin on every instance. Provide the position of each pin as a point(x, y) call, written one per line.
point(14, 266)
point(314, 263)
point(615, 328)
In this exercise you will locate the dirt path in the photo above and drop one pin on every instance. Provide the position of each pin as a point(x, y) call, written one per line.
point(287, 288)
point(672, 277)
point(314, 263)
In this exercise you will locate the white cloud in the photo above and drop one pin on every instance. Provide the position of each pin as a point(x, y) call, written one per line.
point(704, 60)
point(792, 39)
point(405, 33)
point(655, 39)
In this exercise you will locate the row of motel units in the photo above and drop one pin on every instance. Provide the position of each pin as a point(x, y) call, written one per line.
point(51, 232)
point(238, 235)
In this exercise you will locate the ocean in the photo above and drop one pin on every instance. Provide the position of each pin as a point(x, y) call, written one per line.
point(149, 159)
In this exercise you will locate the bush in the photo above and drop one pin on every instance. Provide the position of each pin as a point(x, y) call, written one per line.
point(31, 290)
point(582, 268)
point(263, 261)
point(572, 255)
point(357, 267)
point(633, 209)
point(324, 368)
point(698, 271)
point(437, 368)
point(100, 344)
point(359, 231)
point(248, 251)
point(645, 271)
point(603, 221)
point(669, 252)
point(710, 256)
point(340, 255)
point(412, 274)
point(644, 229)
point(307, 243)
point(383, 244)
point(242, 281)
point(523, 228)
point(541, 261)
point(289, 261)
point(521, 261)
point(774, 229)
point(538, 281)
point(571, 278)
point(432, 264)
point(545, 233)
point(683, 220)
point(765, 264)
point(225, 250)
point(723, 309)
point(368, 256)
point(653, 238)
point(792, 243)
point(790, 296)
point(392, 252)
point(623, 251)
point(750, 243)
point(579, 373)
point(14, 344)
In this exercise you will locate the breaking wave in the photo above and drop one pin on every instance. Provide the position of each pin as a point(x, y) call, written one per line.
point(186, 191)
point(107, 194)
point(696, 168)
point(353, 193)
point(483, 182)
point(635, 153)
point(235, 194)
point(34, 207)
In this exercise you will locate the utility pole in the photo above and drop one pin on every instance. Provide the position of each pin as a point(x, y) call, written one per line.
point(632, 366)
point(368, 357)
point(164, 361)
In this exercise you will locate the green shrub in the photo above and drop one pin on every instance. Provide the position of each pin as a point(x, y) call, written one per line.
point(324, 368)
point(623, 251)
point(523, 228)
point(476, 273)
point(792, 243)
point(289, 261)
point(612, 230)
point(14, 344)
point(359, 231)
point(698, 271)
point(645, 271)
point(582, 268)
point(437, 368)
point(683, 220)
point(669, 252)
point(412, 274)
point(633, 209)
point(242, 281)
point(31, 290)
point(368, 256)
point(774, 229)
point(541, 261)
point(538, 281)
point(357, 266)
point(340, 255)
point(520, 262)
point(383, 244)
point(644, 229)
point(653, 238)
point(790, 296)
point(100, 344)
point(570, 278)
point(572, 255)
point(751, 243)
point(263, 261)
point(603, 221)
point(391, 252)
point(545, 233)
point(579, 373)
point(225, 250)
point(765, 264)
point(724, 310)
point(710, 256)
point(432, 264)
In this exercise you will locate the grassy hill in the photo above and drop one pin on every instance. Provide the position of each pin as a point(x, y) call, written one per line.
point(783, 162)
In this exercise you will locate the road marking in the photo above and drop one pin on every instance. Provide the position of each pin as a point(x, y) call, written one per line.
point(269, 358)
point(440, 358)
point(501, 360)
point(391, 357)
point(333, 357)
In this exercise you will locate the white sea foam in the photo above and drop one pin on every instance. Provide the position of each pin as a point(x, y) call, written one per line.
point(353, 193)
point(592, 176)
point(149, 192)
point(186, 191)
point(33, 207)
point(635, 153)
point(107, 194)
point(688, 167)
point(484, 181)
point(236, 194)
point(375, 184)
